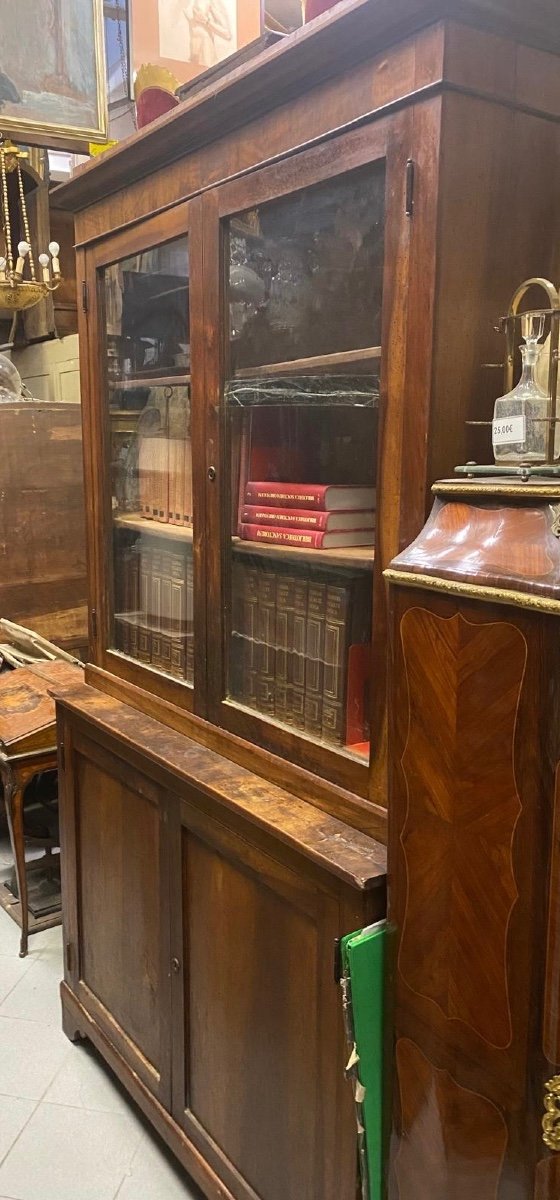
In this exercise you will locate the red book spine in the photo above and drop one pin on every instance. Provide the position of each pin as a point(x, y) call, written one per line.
point(287, 495)
point(282, 537)
point(300, 518)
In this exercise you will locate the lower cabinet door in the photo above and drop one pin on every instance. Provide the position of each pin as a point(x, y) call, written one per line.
point(258, 1036)
point(118, 911)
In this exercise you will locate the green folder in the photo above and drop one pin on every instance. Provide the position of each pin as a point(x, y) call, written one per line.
point(363, 963)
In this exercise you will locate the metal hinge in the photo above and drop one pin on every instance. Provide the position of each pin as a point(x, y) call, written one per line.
point(409, 193)
point(85, 296)
point(94, 624)
point(68, 956)
point(61, 756)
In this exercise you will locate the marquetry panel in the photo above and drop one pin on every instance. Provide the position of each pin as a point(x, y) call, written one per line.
point(453, 1140)
point(547, 1179)
point(551, 1030)
point(463, 808)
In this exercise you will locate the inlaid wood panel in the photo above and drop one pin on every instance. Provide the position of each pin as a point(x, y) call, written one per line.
point(551, 1027)
point(119, 902)
point(547, 1179)
point(463, 807)
point(454, 1140)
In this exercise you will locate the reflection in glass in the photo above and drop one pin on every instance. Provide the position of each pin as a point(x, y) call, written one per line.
point(301, 410)
point(305, 272)
point(148, 363)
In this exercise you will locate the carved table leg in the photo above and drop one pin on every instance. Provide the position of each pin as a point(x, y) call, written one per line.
point(13, 796)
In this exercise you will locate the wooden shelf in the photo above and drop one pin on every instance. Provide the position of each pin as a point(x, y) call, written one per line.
point(345, 556)
point(346, 361)
point(149, 381)
point(175, 533)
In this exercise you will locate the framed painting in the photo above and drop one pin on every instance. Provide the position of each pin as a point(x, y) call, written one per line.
point(52, 72)
point(191, 36)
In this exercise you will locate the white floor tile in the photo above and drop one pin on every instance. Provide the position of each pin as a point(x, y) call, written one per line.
point(85, 1082)
point(36, 996)
point(14, 1114)
point(152, 1176)
point(70, 1154)
point(9, 936)
point(31, 1054)
point(11, 971)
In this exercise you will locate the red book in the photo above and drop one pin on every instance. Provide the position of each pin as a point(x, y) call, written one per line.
point(308, 518)
point(323, 496)
point(308, 539)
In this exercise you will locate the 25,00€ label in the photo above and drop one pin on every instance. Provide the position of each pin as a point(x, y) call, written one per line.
point(509, 431)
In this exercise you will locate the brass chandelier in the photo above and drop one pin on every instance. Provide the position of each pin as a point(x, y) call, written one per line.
point(19, 285)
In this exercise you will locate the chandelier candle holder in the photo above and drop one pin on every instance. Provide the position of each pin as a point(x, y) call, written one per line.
point(19, 286)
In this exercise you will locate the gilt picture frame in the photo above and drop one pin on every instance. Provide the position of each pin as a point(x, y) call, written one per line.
point(52, 73)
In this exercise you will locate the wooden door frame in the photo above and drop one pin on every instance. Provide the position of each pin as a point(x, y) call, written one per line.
point(185, 219)
point(387, 138)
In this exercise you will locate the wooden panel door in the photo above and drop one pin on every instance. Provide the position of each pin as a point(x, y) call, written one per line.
point(116, 906)
point(258, 1038)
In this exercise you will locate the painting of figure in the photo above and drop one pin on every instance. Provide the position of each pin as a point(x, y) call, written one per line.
point(52, 73)
point(200, 32)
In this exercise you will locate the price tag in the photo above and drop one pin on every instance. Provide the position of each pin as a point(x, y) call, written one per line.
point(509, 431)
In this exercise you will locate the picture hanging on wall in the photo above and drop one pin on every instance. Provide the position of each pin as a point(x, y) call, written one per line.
point(52, 72)
point(190, 36)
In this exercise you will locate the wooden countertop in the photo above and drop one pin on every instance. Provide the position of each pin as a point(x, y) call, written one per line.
point(354, 857)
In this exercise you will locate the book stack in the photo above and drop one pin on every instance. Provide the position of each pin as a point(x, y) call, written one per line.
point(154, 586)
point(291, 643)
point(309, 516)
point(165, 479)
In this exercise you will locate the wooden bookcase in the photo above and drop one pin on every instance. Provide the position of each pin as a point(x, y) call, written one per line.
point(294, 277)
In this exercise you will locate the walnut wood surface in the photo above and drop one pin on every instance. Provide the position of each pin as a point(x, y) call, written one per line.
point(551, 1027)
point(354, 857)
point(464, 1126)
point(42, 537)
point(27, 711)
point(493, 541)
point(547, 1182)
point(463, 808)
point(474, 704)
point(199, 948)
point(326, 46)
point(113, 818)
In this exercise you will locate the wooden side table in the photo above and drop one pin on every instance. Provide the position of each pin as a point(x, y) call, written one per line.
point(27, 747)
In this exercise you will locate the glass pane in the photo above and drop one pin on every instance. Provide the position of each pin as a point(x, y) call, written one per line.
point(149, 408)
point(301, 411)
point(305, 272)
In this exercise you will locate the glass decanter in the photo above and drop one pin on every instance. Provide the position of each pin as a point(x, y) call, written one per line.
point(520, 429)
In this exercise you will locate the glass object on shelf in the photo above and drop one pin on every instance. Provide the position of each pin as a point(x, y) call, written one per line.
point(305, 272)
point(520, 429)
point(301, 411)
point(149, 413)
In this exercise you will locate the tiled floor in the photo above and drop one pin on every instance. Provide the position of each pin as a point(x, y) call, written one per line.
point(67, 1130)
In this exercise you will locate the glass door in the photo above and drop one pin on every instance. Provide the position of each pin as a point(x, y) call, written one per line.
point(144, 305)
point(299, 402)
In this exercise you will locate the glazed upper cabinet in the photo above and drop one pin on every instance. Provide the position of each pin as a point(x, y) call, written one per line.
point(272, 539)
point(293, 283)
